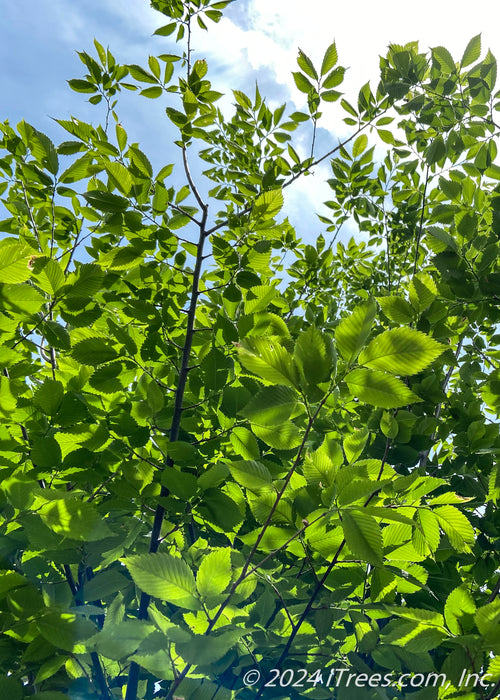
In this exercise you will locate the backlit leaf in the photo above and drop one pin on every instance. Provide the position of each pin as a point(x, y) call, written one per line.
point(329, 59)
point(271, 406)
point(214, 574)
point(363, 535)
point(353, 331)
point(456, 526)
point(401, 351)
point(379, 389)
point(472, 51)
point(164, 576)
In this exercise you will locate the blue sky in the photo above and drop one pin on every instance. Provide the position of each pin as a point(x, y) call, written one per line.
point(257, 40)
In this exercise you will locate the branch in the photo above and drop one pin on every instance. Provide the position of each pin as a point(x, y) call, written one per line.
point(303, 170)
point(319, 585)
point(33, 224)
point(307, 610)
point(494, 592)
point(133, 678)
point(419, 235)
point(193, 187)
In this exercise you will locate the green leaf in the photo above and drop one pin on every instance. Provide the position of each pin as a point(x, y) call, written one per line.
point(48, 396)
point(21, 299)
point(121, 258)
point(117, 641)
point(138, 73)
point(50, 278)
point(140, 161)
point(259, 298)
point(105, 584)
point(426, 536)
point(444, 59)
point(43, 150)
point(119, 176)
point(46, 453)
point(302, 82)
point(314, 356)
point(267, 205)
point(11, 688)
point(423, 291)
point(472, 51)
point(329, 59)
point(306, 65)
point(336, 77)
point(363, 536)
point(244, 443)
point(401, 351)
point(440, 240)
point(354, 444)
point(389, 425)
point(74, 518)
point(166, 30)
point(202, 651)
point(458, 604)
point(214, 574)
point(49, 668)
point(286, 436)
point(82, 85)
point(7, 399)
point(397, 309)
point(152, 92)
point(353, 331)
point(105, 201)
point(182, 484)
point(14, 261)
point(487, 618)
point(271, 406)
point(179, 450)
point(322, 465)
point(94, 351)
point(456, 526)
point(164, 576)
point(379, 389)
point(268, 359)
point(252, 475)
point(494, 669)
point(436, 151)
point(359, 145)
point(220, 509)
point(79, 170)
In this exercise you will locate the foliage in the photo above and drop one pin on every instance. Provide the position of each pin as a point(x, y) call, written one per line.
point(214, 463)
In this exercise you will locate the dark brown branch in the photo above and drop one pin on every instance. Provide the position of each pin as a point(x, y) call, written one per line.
point(133, 678)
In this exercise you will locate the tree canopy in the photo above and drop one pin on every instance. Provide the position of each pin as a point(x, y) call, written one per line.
point(234, 463)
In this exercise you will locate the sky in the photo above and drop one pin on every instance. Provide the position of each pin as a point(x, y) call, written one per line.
point(257, 40)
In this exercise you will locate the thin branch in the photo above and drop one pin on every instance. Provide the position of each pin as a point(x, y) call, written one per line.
point(494, 592)
point(30, 212)
point(421, 223)
point(321, 582)
point(193, 187)
point(307, 609)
